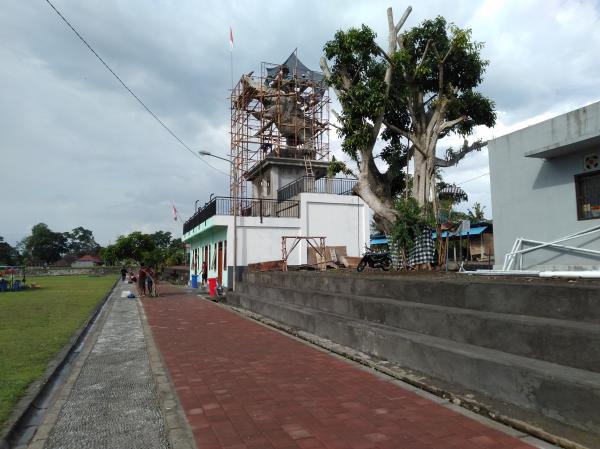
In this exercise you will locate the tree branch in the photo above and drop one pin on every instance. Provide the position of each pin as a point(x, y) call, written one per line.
point(408, 135)
point(403, 19)
point(338, 117)
point(327, 74)
point(447, 53)
point(449, 124)
point(454, 157)
point(422, 57)
point(400, 131)
point(385, 55)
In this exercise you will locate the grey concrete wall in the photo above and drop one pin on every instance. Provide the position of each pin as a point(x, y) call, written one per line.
point(532, 345)
point(534, 197)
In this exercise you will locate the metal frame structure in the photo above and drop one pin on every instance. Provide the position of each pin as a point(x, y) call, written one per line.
point(254, 131)
point(312, 241)
point(517, 252)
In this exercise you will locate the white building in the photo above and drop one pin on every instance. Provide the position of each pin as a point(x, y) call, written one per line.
point(545, 184)
point(280, 146)
point(307, 206)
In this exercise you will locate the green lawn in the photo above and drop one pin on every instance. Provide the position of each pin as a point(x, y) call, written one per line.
point(35, 324)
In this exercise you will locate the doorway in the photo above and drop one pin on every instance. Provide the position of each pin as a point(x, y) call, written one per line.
point(220, 263)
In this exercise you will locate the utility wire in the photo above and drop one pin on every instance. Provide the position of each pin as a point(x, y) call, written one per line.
point(131, 92)
point(473, 179)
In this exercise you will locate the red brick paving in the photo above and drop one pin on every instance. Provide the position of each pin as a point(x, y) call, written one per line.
point(245, 386)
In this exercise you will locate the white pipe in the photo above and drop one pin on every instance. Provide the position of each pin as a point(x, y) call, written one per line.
point(502, 273)
point(563, 239)
point(571, 274)
point(508, 258)
point(590, 274)
point(572, 248)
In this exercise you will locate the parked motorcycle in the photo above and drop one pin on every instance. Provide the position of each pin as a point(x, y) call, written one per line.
point(374, 260)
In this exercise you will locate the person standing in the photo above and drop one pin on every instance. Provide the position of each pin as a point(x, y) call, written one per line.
point(123, 274)
point(150, 275)
point(204, 273)
point(141, 282)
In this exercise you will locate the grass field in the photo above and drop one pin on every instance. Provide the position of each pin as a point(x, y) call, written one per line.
point(35, 324)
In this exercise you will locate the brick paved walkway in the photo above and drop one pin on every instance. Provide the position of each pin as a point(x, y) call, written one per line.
point(243, 385)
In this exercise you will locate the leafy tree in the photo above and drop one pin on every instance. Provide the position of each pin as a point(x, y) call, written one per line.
point(8, 254)
point(477, 213)
point(147, 249)
point(43, 245)
point(109, 255)
point(176, 253)
point(134, 245)
point(419, 90)
point(80, 241)
point(161, 239)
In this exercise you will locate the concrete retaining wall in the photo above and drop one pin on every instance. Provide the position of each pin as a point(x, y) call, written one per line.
point(534, 346)
point(67, 271)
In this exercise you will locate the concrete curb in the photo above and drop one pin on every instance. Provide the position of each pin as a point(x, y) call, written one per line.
point(397, 372)
point(39, 388)
point(177, 427)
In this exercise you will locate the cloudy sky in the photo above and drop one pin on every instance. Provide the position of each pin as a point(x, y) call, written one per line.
point(77, 150)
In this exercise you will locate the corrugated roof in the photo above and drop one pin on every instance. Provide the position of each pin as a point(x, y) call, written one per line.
point(473, 231)
point(476, 230)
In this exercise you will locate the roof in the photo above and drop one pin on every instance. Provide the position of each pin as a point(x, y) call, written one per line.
point(379, 241)
point(88, 258)
point(563, 135)
point(294, 67)
point(476, 230)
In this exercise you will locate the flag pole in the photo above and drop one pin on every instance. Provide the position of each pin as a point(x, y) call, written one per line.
point(234, 169)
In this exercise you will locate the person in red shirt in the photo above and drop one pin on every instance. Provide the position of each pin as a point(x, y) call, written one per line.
point(141, 282)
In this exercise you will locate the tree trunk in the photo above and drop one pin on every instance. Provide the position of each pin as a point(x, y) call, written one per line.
point(373, 190)
point(420, 190)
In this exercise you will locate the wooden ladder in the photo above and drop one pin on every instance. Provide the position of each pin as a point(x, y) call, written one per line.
point(308, 166)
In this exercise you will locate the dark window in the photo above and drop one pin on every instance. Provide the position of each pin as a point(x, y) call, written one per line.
point(587, 188)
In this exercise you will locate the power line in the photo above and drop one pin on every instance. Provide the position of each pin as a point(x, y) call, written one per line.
point(473, 179)
point(131, 92)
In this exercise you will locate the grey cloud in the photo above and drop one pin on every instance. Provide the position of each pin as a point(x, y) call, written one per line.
point(81, 151)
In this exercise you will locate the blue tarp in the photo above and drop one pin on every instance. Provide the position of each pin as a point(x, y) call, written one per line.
point(474, 231)
point(379, 241)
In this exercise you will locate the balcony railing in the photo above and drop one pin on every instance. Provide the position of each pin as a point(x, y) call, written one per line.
point(248, 207)
point(336, 186)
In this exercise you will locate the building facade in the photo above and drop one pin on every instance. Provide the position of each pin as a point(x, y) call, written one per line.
point(545, 185)
point(342, 219)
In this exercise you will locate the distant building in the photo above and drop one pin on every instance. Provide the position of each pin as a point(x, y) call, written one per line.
point(545, 184)
point(87, 261)
point(66, 261)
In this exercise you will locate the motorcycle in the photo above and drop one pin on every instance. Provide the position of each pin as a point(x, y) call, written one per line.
point(374, 260)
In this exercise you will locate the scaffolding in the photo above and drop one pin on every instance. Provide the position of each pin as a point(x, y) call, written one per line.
point(283, 112)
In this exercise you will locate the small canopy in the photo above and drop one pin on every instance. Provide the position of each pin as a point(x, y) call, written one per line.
point(452, 192)
point(379, 241)
point(295, 69)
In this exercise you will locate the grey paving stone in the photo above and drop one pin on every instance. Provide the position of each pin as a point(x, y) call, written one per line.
point(114, 402)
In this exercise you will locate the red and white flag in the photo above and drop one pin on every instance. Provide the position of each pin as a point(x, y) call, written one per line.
point(230, 38)
point(174, 212)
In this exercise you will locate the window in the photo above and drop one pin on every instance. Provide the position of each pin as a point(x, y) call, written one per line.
point(587, 188)
point(225, 255)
